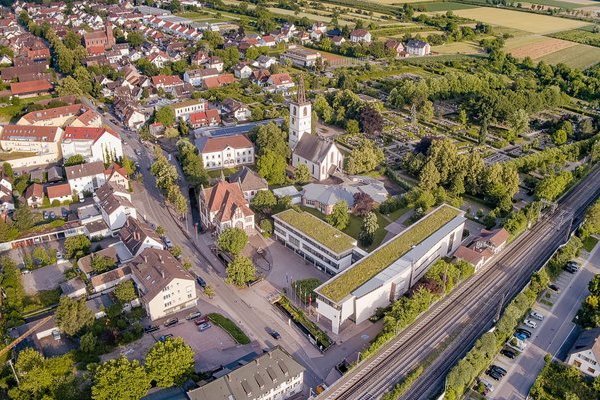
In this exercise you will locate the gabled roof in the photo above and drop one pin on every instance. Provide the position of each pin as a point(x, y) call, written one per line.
point(36, 86)
point(35, 190)
point(61, 190)
point(134, 233)
point(281, 79)
point(496, 237)
point(213, 144)
point(51, 113)
point(588, 340)
point(30, 133)
point(87, 133)
point(359, 32)
point(313, 148)
point(167, 80)
point(83, 170)
point(225, 199)
point(248, 179)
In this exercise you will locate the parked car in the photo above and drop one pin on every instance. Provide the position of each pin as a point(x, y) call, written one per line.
point(64, 212)
point(573, 264)
point(204, 326)
point(493, 374)
point(275, 334)
point(201, 321)
point(164, 338)
point(168, 242)
point(46, 215)
point(536, 315)
point(520, 336)
point(59, 255)
point(201, 282)
point(530, 323)
point(499, 369)
point(508, 353)
point(151, 328)
point(488, 386)
point(554, 287)
point(524, 332)
point(52, 215)
point(193, 315)
point(171, 322)
point(56, 334)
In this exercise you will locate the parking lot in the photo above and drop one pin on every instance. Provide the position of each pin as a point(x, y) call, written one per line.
point(45, 278)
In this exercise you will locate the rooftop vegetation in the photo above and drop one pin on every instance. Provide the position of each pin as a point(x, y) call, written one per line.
point(318, 230)
point(340, 286)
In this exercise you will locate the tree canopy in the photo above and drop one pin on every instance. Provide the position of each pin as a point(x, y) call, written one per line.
point(241, 271)
point(72, 316)
point(120, 379)
point(232, 240)
point(170, 362)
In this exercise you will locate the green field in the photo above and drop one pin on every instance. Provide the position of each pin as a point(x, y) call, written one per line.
point(579, 56)
point(579, 36)
point(432, 6)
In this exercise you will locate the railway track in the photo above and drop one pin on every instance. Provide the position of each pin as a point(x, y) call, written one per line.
point(470, 308)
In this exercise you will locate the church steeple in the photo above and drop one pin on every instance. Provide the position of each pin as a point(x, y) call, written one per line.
point(300, 116)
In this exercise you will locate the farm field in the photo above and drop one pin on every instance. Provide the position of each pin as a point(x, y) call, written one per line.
point(579, 56)
point(528, 22)
point(538, 46)
point(432, 6)
point(566, 4)
point(579, 36)
point(457, 48)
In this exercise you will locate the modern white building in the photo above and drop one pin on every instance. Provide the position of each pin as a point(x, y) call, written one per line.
point(185, 108)
point(94, 144)
point(225, 152)
point(302, 57)
point(417, 47)
point(165, 286)
point(327, 248)
point(86, 177)
point(274, 375)
point(321, 156)
point(585, 353)
point(390, 270)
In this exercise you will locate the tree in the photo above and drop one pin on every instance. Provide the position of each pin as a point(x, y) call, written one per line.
point(192, 164)
point(591, 224)
point(559, 137)
point(272, 166)
point(160, 231)
point(8, 170)
point(371, 120)
point(363, 203)
point(209, 291)
point(426, 111)
point(129, 165)
point(69, 86)
point(302, 174)
point(232, 240)
point(101, 263)
point(83, 78)
point(77, 246)
point(177, 199)
point(519, 121)
point(176, 251)
point(73, 315)
point(368, 229)
point(88, 343)
point(120, 379)
point(125, 292)
point(352, 127)
point(364, 158)
point(135, 39)
point(240, 271)
point(553, 186)
point(166, 116)
point(169, 363)
point(429, 178)
point(339, 216)
point(271, 137)
point(263, 201)
point(75, 160)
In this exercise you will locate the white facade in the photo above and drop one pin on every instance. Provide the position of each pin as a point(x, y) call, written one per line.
point(228, 157)
point(98, 150)
point(300, 122)
point(585, 361)
point(395, 280)
point(188, 107)
point(178, 295)
point(320, 171)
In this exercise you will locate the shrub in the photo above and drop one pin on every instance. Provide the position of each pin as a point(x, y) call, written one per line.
point(230, 327)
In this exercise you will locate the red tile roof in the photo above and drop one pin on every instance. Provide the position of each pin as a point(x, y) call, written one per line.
point(30, 87)
point(87, 133)
point(213, 144)
point(280, 79)
point(51, 113)
point(204, 118)
point(226, 198)
point(56, 191)
point(166, 80)
point(30, 132)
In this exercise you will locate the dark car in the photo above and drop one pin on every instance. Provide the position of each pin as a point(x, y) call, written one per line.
point(201, 282)
point(275, 335)
point(554, 287)
point(524, 332)
point(151, 328)
point(493, 374)
point(193, 315)
point(164, 338)
point(201, 321)
point(571, 269)
point(498, 369)
point(171, 322)
point(52, 215)
point(508, 353)
point(64, 212)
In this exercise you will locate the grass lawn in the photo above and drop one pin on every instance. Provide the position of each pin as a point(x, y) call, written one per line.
point(589, 243)
point(216, 173)
point(8, 113)
point(457, 48)
point(40, 301)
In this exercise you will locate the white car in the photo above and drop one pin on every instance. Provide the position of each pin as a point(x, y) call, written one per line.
point(530, 323)
point(536, 315)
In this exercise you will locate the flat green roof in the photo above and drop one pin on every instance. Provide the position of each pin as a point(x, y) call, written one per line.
point(338, 287)
point(318, 230)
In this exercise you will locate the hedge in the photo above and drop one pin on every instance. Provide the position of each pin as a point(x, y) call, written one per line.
point(230, 327)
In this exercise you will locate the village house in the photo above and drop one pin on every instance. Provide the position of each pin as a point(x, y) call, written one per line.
point(224, 206)
point(166, 82)
point(225, 152)
point(165, 286)
point(280, 83)
point(264, 62)
point(205, 118)
point(7, 202)
point(216, 63)
point(196, 77)
point(483, 247)
point(85, 177)
point(117, 175)
point(250, 182)
point(360, 36)
point(218, 81)
point(585, 353)
point(235, 109)
point(242, 70)
point(418, 48)
point(59, 193)
point(94, 144)
point(138, 236)
point(31, 88)
point(115, 205)
point(34, 195)
point(185, 108)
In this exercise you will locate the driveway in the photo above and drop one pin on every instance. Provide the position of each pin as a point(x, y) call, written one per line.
point(553, 335)
point(45, 278)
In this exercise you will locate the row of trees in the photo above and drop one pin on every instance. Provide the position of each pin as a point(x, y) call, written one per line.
point(192, 164)
point(345, 109)
point(166, 180)
point(241, 270)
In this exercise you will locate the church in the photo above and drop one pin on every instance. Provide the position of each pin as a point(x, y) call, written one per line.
point(321, 155)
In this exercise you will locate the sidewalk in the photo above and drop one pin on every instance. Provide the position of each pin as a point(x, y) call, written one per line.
point(553, 335)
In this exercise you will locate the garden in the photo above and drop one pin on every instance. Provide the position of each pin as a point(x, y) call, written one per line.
point(320, 338)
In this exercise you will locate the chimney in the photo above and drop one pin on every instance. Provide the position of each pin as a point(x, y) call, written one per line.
point(258, 361)
point(145, 258)
point(162, 273)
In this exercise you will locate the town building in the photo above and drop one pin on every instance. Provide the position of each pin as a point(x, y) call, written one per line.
point(321, 156)
point(94, 144)
point(85, 177)
point(61, 193)
point(117, 175)
point(225, 152)
point(108, 280)
point(224, 206)
point(585, 353)
point(165, 286)
point(302, 57)
point(391, 270)
point(418, 47)
point(41, 142)
point(185, 108)
point(280, 83)
point(242, 70)
point(360, 36)
point(250, 182)
point(7, 202)
point(205, 118)
point(33, 88)
point(138, 236)
point(196, 77)
point(115, 205)
point(323, 197)
point(327, 248)
point(58, 116)
point(275, 375)
point(483, 248)
point(100, 39)
point(34, 195)
point(236, 109)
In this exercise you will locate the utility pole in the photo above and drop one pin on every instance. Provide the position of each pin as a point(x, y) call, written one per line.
point(497, 317)
point(14, 372)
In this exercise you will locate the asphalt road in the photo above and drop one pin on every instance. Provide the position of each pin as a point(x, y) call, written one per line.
point(449, 328)
point(550, 337)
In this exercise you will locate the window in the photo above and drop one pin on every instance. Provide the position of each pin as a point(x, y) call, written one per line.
point(168, 304)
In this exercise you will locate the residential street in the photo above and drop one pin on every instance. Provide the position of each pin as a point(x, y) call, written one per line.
point(555, 335)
